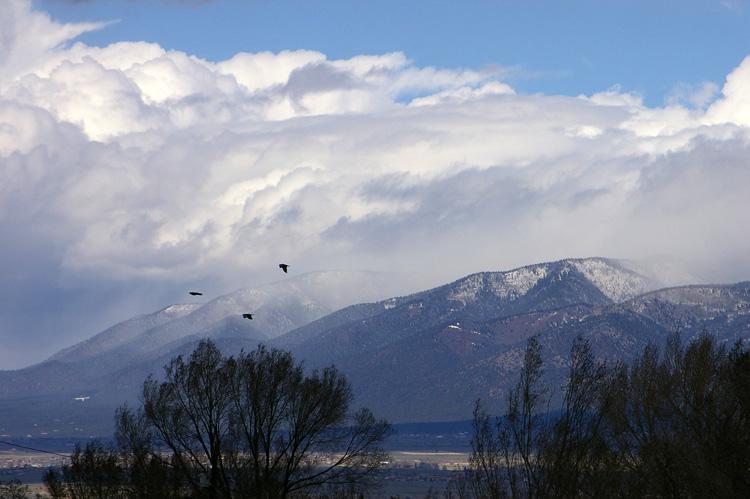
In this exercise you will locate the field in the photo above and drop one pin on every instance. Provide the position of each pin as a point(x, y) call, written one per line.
point(28, 467)
point(409, 474)
point(423, 456)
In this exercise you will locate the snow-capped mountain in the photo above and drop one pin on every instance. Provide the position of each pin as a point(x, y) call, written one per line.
point(122, 333)
point(478, 297)
point(277, 309)
point(430, 355)
point(424, 356)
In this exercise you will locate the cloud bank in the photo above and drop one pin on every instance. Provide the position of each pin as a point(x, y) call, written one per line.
point(129, 172)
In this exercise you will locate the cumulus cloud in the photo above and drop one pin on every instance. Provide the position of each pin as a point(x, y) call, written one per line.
point(696, 96)
point(27, 36)
point(129, 172)
point(734, 104)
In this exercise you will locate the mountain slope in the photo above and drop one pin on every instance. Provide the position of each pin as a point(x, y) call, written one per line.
point(121, 333)
point(478, 297)
point(278, 308)
point(436, 373)
point(425, 356)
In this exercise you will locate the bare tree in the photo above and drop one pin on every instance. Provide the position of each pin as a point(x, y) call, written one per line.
point(94, 472)
point(149, 475)
point(190, 413)
point(571, 460)
point(532, 452)
point(487, 473)
point(258, 426)
point(678, 423)
point(503, 462)
point(523, 425)
point(459, 486)
point(295, 431)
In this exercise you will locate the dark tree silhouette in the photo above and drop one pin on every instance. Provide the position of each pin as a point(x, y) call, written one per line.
point(671, 425)
point(295, 430)
point(14, 489)
point(259, 426)
point(94, 472)
point(190, 413)
point(678, 422)
point(149, 475)
point(256, 426)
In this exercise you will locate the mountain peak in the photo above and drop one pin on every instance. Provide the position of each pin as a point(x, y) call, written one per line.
point(429, 354)
point(613, 279)
point(123, 332)
point(279, 307)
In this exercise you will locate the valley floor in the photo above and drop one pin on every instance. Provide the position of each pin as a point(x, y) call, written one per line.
point(409, 474)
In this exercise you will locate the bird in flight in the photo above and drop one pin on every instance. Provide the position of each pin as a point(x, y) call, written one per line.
point(284, 267)
point(196, 293)
point(247, 316)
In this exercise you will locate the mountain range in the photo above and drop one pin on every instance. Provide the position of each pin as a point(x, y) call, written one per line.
point(423, 356)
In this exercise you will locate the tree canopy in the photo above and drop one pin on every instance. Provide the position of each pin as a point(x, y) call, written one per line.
point(252, 426)
point(671, 424)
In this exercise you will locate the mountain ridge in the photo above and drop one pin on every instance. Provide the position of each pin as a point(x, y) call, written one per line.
point(419, 356)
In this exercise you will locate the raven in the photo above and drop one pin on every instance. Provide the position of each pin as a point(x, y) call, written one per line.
point(284, 267)
point(196, 293)
point(247, 316)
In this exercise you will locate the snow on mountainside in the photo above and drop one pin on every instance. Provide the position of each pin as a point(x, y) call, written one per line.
point(123, 332)
point(289, 304)
point(478, 297)
point(611, 278)
point(508, 285)
point(277, 308)
point(616, 282)
point(425, 356)
point(681, 306)
point(429, 357)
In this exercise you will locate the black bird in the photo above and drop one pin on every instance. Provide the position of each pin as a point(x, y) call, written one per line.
point(284, 267)
point(196, 293)
point(247, 316)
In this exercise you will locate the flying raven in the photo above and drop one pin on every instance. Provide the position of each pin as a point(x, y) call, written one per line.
point(284, 267)
point(196, 293)
point(247, 316)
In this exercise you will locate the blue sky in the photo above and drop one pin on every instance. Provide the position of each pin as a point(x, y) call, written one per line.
point(148, 148)
point(563, 47)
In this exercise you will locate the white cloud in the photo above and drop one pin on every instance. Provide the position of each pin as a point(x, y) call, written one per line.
point(734, 107)
point(28, 37)
point(129, 166)
point(696, 96)
point(462, 94)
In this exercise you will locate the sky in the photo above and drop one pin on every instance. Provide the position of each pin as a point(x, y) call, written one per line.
point(150, 147)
